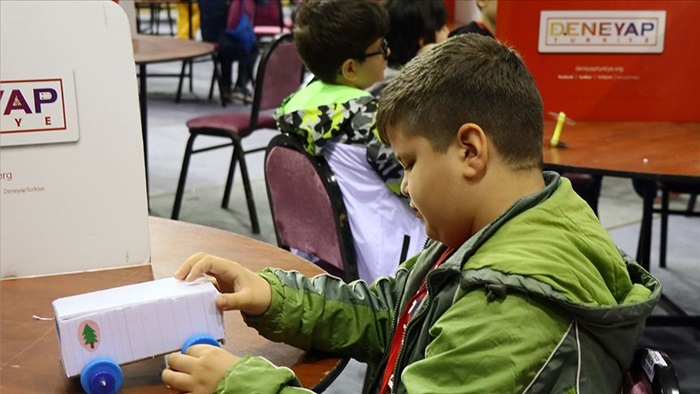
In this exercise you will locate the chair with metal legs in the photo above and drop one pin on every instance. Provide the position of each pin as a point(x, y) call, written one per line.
point(280, 73)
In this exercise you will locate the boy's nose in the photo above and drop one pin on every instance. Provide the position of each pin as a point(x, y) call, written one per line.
point(404, 187)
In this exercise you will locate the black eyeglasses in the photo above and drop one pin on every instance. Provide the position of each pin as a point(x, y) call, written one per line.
point(384, 51)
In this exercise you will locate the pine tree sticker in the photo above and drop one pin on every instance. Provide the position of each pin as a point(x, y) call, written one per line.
point(89, 335)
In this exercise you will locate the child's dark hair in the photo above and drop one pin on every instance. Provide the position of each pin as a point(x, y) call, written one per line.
point(467, 79)
point(328, 32)
point(410, 21)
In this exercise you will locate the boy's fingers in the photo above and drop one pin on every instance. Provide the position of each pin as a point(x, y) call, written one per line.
point(177, 380)
point(202, 263)
point(228, 301)
point(180, 362)
point(186, 268)
point(216, 266)
point(197, 351)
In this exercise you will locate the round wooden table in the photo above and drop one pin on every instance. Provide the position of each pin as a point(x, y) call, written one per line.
point(30, 348)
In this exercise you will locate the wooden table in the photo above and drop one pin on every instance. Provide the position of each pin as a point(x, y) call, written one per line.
point(30, 349)
point(639, 150)
point(644, 151)
point(159, 49)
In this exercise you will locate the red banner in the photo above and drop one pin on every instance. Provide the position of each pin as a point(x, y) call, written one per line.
point(610, 60)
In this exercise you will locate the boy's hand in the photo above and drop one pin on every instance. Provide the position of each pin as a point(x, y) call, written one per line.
point(240, 287)
point(198, 371)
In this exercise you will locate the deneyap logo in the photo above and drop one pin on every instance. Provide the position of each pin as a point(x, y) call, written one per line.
point(38, 110)
point(602, 31)
point(32, 106)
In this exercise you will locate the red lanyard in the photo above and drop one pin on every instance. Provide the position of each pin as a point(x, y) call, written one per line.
point(406, 316)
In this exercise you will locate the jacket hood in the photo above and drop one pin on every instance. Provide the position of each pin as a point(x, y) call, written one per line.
point(323, 112)
point(554, 249)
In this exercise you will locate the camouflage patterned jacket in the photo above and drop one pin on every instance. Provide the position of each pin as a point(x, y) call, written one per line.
point(322, 113)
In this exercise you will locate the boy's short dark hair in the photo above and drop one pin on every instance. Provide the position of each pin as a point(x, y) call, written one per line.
point(328, 32)
point(411, 20)
point(469, 78)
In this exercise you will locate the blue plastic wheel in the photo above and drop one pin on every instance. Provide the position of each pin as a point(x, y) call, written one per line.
point(200, 339)
point(101, 376)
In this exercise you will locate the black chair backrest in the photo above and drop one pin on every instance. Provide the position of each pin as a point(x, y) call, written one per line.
point(307, 206)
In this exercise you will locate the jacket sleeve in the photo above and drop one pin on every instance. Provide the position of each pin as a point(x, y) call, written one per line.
point(326, 314)
point(499, 348)
point(245, 377)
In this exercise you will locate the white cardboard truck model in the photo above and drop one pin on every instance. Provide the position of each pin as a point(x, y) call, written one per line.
point(101, 330)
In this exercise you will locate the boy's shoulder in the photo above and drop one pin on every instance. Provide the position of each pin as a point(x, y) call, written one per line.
point(318, 93)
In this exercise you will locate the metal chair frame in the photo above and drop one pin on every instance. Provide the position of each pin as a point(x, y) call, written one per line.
point(238, 155)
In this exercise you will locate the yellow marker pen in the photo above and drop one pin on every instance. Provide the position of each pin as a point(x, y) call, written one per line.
point(557, 130)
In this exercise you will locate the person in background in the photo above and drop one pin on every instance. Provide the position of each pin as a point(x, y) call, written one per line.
point(184, 18)
point(519, 290)
point(334, 117)
point(216, 17)
point(415, 27)
point(486, 25)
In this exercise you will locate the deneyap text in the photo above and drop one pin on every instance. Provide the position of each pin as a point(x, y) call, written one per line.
point(32, 105)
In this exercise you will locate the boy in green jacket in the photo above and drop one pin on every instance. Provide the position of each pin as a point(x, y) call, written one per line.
point(520, 289)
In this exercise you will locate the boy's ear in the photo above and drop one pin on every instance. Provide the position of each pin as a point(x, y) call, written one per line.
point(349, 69)
point(473, 149)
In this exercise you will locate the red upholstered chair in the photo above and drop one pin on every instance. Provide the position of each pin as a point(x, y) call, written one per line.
point(269, 20)
point(309, 214)
point(307, 206)
point(280, 73)
point(652, 372)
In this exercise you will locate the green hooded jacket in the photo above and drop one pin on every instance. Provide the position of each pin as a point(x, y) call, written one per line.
point(540, 301)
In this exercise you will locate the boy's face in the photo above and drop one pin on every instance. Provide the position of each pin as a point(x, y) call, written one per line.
point(489, 9)
point(442, 34)
point(370, 70)
point(432, 180)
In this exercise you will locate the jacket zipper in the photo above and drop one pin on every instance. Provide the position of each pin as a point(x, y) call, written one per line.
point(410, 324)
point(393, 329)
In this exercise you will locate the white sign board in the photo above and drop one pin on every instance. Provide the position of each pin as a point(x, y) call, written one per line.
point(135, 322)
point(72, 177)
point(602, 31)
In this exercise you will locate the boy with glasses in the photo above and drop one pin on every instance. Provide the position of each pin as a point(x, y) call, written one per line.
point(342, 44)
